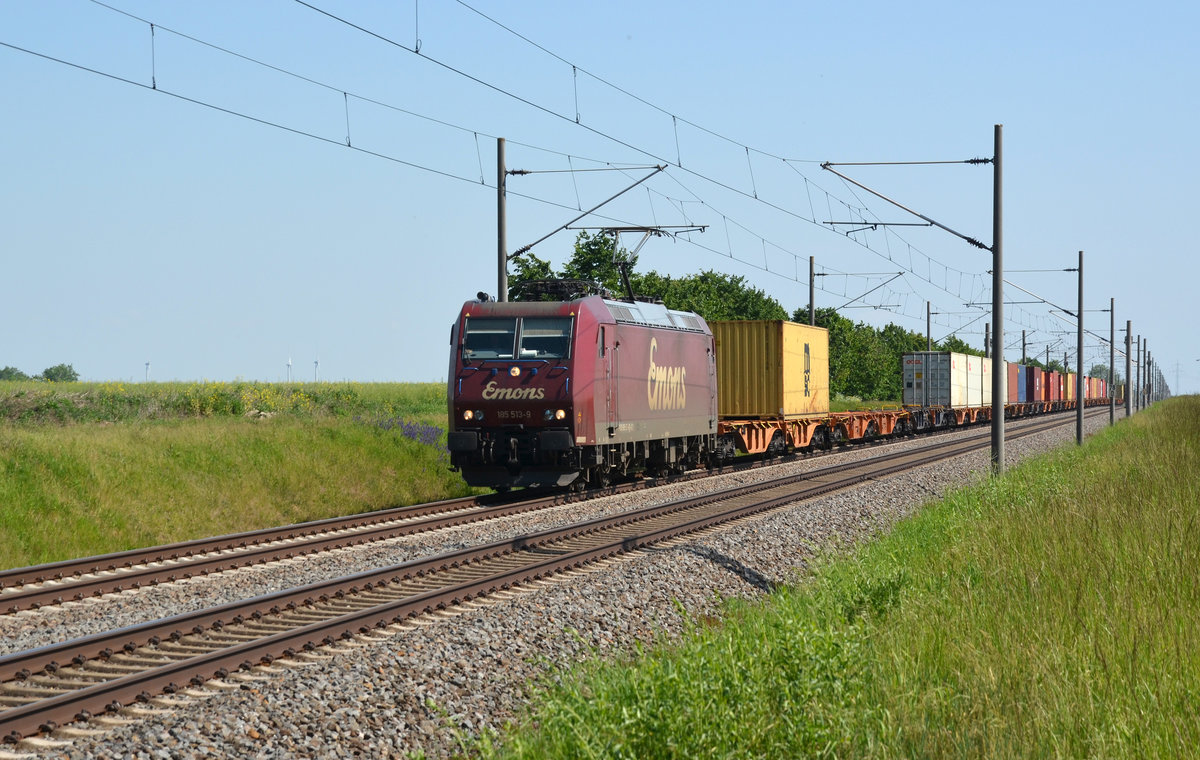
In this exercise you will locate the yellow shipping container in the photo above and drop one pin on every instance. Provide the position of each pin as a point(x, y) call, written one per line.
point(771, 369)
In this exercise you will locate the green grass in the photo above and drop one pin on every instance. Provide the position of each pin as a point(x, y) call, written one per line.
point(36, 403)
point(146, 473)
point(856, 404)
point(1049, 613)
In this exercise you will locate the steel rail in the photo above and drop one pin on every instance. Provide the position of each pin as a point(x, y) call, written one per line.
point(117, 561)
point(95, 576)
point(45, 713)
point(33, 597)
point(73, 580)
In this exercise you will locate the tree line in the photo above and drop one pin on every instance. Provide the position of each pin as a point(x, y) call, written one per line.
point(864, 360)
point(59, 373)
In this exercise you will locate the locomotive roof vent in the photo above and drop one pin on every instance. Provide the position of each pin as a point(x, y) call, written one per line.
point(655, 315)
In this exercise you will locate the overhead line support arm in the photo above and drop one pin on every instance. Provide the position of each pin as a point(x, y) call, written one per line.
point(829, 167)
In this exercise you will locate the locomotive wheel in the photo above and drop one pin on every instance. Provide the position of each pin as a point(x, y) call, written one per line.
point(821, 440)
point(603, 476)
point(777, 445)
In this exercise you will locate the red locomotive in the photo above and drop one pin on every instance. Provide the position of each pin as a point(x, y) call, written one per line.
point(577, 392)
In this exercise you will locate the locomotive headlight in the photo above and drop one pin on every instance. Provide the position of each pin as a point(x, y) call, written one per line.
point(548, 415)
point(468, 415)
point(479, 415)
point(514, 371)
point(560, 414)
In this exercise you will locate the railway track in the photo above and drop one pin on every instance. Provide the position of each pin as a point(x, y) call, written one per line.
point(72, 580)
point(57, 684)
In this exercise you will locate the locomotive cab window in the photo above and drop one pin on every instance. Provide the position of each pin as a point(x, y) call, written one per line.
point(489, 338)
point(545, 338)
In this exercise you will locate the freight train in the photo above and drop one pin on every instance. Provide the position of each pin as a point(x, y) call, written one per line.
point(578, 393)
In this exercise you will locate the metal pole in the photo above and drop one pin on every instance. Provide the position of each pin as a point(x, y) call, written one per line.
point(1150, 370)
point(999, 375)
point(928, 327)
point(1137, 402)
point(1079, 400)
point(1129, 368)
point(1023, 355)
point(1112, 359)
point(501, 225)
point(987, 340)
point(1147, 373)
point(812, 291)
point(1145, 384)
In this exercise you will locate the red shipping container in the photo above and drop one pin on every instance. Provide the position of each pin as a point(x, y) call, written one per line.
point(1034, 382)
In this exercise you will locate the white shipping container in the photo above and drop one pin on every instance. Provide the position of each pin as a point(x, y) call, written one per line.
point(935, 378)
point(987, 381)
point(974, 380)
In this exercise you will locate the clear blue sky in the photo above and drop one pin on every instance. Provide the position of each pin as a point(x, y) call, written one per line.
point(139, 226)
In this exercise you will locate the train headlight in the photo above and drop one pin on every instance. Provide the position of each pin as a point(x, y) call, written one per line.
point(548, 415)
point(468, 415)
point(479, 415)
point(514, 371)
point(560, 414)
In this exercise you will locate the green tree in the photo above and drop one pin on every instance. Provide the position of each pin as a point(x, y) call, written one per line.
point(897, 341)
point(712, 295)
point(12, 373)
point(595, 260)
point(1101, 371)
point(528, 268)
point(958, 345)
point(841, 347)
point(60, 373)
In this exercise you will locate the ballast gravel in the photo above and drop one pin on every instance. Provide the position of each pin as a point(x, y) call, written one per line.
point(429, 687)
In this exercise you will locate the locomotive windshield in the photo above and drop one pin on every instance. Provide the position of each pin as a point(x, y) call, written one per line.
point(495, 338)
point(489, 338)
point(545, 337)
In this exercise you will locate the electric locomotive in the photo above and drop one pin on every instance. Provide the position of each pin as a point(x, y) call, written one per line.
point(578, 392)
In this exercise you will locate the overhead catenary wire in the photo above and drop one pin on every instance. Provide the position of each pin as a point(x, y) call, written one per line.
point(359, 149)
point(754, 194)
point(347, 94)
point(549, 111)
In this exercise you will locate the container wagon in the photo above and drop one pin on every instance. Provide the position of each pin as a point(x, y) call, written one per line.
point(773, 391)
point(946, 388)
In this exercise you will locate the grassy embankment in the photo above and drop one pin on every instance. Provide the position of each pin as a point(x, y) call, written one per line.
point(1048, 613)
point(95, 468)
